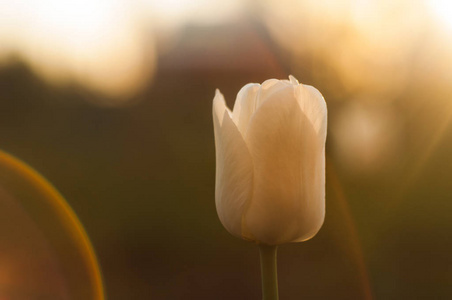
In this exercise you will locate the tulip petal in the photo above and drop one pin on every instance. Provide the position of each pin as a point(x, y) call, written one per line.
point(234, 169)
point(270, 87)
point(244, 106)
point(219, 107)
point(314, 107)
point(288, 201)
point(293, 80)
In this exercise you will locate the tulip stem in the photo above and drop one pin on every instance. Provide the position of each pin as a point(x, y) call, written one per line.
point(269, 272)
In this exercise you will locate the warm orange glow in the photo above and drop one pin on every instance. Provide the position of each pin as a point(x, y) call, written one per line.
point(106, 45)
point(361, 41)
point(174, 13)
point(367, 135)
point(98, 44)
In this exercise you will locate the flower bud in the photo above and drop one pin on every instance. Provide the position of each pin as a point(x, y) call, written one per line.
point(270, 161)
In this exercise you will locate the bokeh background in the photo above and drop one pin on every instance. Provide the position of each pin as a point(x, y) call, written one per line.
point(111, 101)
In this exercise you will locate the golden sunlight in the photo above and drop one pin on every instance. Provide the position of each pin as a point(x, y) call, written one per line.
point(174, 13)
point(442, 10)
point(95, 43)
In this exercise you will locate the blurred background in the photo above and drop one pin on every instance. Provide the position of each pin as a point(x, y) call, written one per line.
point(111, 101)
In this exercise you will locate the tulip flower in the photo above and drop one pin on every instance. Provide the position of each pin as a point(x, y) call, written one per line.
point(270, 166)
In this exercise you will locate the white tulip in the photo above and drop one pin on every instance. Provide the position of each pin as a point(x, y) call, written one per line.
point(270, 161)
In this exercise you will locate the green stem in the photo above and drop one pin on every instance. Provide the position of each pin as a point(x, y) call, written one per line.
point(269, 272)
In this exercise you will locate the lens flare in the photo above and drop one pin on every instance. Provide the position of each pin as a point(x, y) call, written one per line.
point(353, 236)
point(44, 250)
